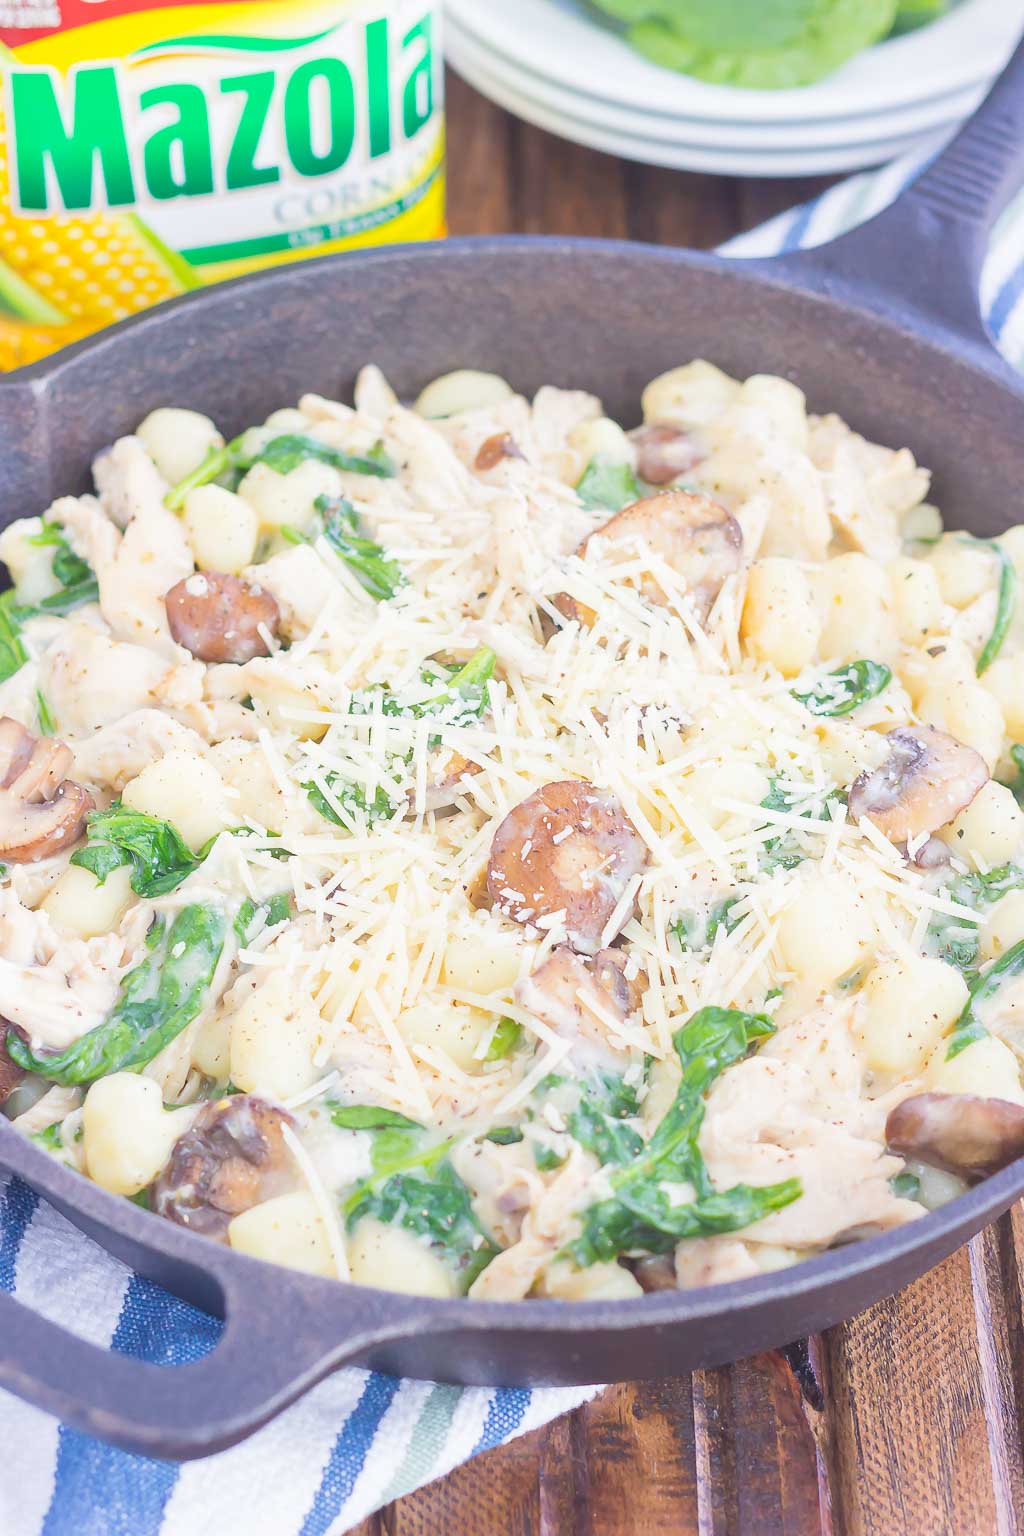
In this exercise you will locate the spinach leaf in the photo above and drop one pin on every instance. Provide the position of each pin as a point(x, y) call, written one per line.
point(352, 798)
point(435, 1206)
point(695, 931)
point(463, 699)
point(47, 724)
point(367, 560)
point(608, 485)
point(1006, 602)
point(1017, 784)
point(468, 683)
point(845, 689)
point(640, 1213)
point(158, 999)
point(13, 654)
point(415, 1186)
point(968, 1026)
point(285, 453)
point(77, 578)
point(596, 1110)
point(282, 453)
point(948, 937)
point(783, 851)
point(906, 1186)
point(368, 1117)
point(49, 1138)
point(277, 909)
point(504, 1135)
point(159, 856)
point(600, 1121)
point(504, 1040)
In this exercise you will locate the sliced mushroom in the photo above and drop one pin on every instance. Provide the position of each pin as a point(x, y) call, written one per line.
point(664, 451)
point(222, 618)
point(568, 851)
point(697, 538)
point(444, 789)
point(927, 779)
point(233, 1156)
point(960, 1132)
point(581, 997)
point(41, 811)
point(501, 446)
point(656, 1274)
point(932, 854)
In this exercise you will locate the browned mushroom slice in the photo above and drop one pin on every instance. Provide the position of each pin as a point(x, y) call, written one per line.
point(41, 811)
point(581, 997)
point(932, 854)
point(501, 446)
point(698, 539)
point(449, 783)
point(221, 618)
point(568, 849)
point(927, 779)
point(664, 451)
point(961, 1132)
point(656, 1274)
point(234, 1156)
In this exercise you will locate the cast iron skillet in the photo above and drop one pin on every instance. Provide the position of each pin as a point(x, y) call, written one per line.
point(882, 326)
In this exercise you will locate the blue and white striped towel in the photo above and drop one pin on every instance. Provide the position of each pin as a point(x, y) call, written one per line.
point(360, 1439)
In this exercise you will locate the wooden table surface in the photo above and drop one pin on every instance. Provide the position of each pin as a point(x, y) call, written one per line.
point(907, 1421)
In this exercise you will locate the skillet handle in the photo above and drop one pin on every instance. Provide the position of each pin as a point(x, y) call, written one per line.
point(283, 1332)
point(924, 253)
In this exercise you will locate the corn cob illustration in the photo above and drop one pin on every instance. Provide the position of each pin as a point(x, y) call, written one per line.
point(63, 277)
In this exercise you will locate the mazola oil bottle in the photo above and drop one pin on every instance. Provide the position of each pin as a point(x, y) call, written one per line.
point(148, 147)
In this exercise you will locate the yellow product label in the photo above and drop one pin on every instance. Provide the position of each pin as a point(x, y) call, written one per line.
point(148, 147)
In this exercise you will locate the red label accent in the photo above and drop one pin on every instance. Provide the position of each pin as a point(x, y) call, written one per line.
point(23, 21)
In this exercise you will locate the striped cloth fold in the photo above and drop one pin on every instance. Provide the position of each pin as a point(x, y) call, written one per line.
point(359, 1439)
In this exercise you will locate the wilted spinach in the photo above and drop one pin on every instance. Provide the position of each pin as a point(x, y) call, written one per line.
point(504, 1040)
point(158, 999)
point(846, 689)
point(414, 1186)
point(282, 453)
point(968, 1026)
point(276, 910)
point(640, 1214)
point(697, 930)
point(77, 578)
point(608, 485)
point(158, 854)
point(948, 937)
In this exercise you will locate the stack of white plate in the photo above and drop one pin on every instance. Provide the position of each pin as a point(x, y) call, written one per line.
point(557, 64)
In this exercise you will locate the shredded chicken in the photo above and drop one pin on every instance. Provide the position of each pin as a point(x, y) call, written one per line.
point(56, 988)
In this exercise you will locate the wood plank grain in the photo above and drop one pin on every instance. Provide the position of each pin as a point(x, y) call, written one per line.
point(676, 208)
point(916, 1392)
point(563, 189)
point(760, 1467)
point(635, 1463)
point(526, 1488)
point(480, 163)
